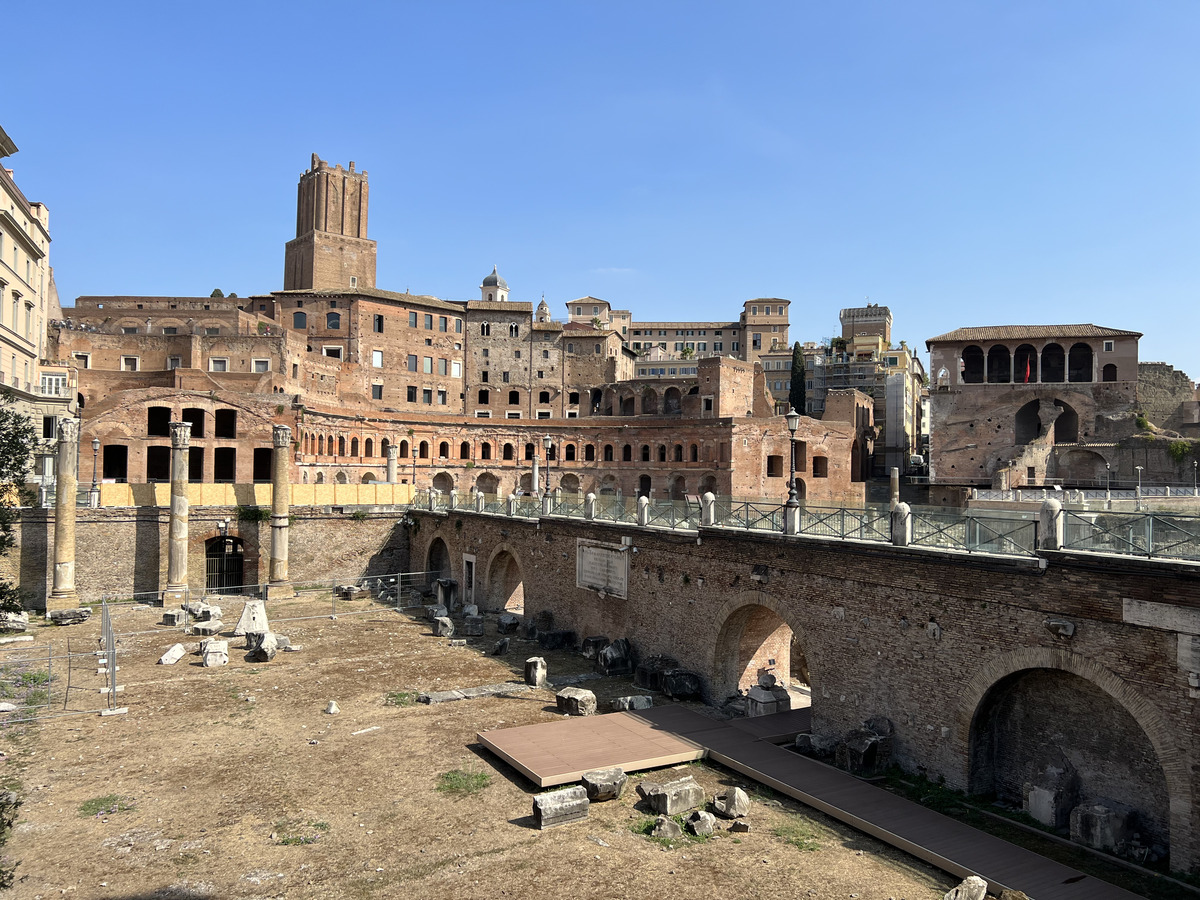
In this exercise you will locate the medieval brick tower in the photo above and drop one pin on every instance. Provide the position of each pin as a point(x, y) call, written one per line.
point(331, 251)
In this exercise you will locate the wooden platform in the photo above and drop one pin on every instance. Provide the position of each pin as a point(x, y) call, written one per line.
point(560, 752)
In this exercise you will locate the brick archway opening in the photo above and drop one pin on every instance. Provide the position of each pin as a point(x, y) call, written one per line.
point(437, 560)
point(505, 584)
point(753, 639)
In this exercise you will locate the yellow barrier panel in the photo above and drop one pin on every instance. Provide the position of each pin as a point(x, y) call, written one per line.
point(370, 494)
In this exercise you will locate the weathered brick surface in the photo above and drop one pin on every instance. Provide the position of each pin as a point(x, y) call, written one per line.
point(860, 617)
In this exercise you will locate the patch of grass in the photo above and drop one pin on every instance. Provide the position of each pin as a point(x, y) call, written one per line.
point(400, 698)
point(799, 834)
point(31, 678)
point(108, 805)
point(460, 783)
point(646, 824)
point(319, 826)
point(292, 834)
point(292, 840)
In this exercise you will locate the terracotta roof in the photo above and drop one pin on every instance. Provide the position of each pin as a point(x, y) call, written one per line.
point(378, 294)
point(1019, 332)
point(511, 305)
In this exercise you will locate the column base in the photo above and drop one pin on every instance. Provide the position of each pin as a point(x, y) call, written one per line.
point(62, 600)
point(280, 590)
point(175, 596)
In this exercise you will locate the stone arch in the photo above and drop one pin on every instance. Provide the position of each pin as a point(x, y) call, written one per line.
point(1079, 466)
point(999, 365)
point(369, 478)
point(570, 483)
point(1149, 718)
point(505, 587)
point(748, 628)
point(1079, 362)
point(444, 482)
point(525, 483)
point(649, 402)
point(341, 477)
point(437, 559)
point(678, 488)
point(487, 483)
point(1066, 424)
point(708, 484)
point(971, 365)
point(672, 401)
point(629, 405)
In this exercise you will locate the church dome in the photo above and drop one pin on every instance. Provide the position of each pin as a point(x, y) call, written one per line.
point(494, 280)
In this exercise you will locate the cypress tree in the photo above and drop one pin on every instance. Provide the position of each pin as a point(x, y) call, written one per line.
point(796, 396)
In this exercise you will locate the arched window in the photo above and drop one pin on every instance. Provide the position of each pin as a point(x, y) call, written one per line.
point(300, 321)
point(403, 450)
point(341, 445)
point(513, 330)
point(662, 452)
point(464, 450)
point(384, 446)
point(695, 453)
point(354, 446)
point(485, 450)
point(998, 365)
point(645, 453)
point(508, 451)
point(514, 398)
point(369, 448)
point(1079, 363)
point(627, 453)
point(529, 451)
point(1025, 365)
point(679, 453)
point(608, 452)
point(569, 453)
point(321, 445)
point(551, 453)
point(543, 396)
point(333, 321)
point(972, 365)
point(485, 329)
point(1109, 373)
point(484, 398)
point(443, 450)
point(1054, 364)
point(423, 450)
point(589, 453)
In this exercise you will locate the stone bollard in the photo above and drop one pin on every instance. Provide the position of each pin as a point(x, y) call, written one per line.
point(643, 512)
point(512, 504)
point(432, 497)
point(589, 506)
point(535, 672)
point(547, 504)
point(480, 501)
point(454, 499)
point(708, 509)
point(1051, 526)
point(902, 525)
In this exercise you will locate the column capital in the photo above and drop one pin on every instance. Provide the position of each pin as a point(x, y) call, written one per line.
point(181, 433)
point(282, 436)
point(393, 451)
point(68, 431)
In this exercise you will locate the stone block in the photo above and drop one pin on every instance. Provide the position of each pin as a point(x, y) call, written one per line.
point(443, 626)
point(593, 645)
point(14, 621)
point(701, 823)
point(681, 684)
point(208, 628)
point(253, 619)
point(666, 828)
point(436, 611)
point(604, 784)
point(637, 701)
point(740, 827)
point(535, 672)
point(973, 888)
point(507, 624)
point(173, 616)
point(216, 653)
point(70, 616)
point(473, 626)
point(816, 744)
point(649, 674)
point(732, 803)
point(560, 807)
point(783, 699)
point(470, 610)
point(576, 702)
point(500, 647)
point(645, 788)
point(557, 640)
point(1100, 827)
point(265, 650)
point(676, 797)
point(864, 753)
point(615, 659)
point(172, 656)
point(760, 701)
point(766, 680)
point(458, 642)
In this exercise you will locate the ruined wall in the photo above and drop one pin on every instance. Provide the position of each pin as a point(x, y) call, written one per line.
point(123, 551)
point(918, 635)
point(1166, 396)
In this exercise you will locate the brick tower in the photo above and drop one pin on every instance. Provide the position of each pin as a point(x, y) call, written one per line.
point(330, 251)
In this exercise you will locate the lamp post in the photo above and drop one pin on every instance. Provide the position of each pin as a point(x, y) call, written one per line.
point(95, 457)
point(1107, 477)
point(547, 442)
point(1195, 465)
point(1139, 487)
point(793, 422)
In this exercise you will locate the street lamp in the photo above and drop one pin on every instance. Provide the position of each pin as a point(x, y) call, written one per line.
point(95, 456)
point(1139, 487)
point(547, 442)
point(793, 422)
point(1195, 465)
point(1107, 477)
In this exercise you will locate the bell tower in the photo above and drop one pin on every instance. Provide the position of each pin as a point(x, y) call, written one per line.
point(331, 251)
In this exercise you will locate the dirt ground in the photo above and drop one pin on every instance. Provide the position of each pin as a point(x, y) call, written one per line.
point(234, 782)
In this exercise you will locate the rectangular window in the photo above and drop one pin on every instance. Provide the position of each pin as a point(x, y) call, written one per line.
point(170, 329)
point(733, 347)
point(543, 413)
point(427, 396)
point(412, 320)
point(377, 359)
point(128, 329)
point(483, 413)
point(259, 366)
point(83, 360)
point(513, 414)
point(378, 323)
point(377, 392)
point(174, 362)
point(410, 393)
point(754, 310)
point(545, 354)
point(483, 376)
point(541, 374)
point(428, 321)
point(504, 377)
point(412, 362)
point(441, 398)
point(458, 326)
point(456, 369)
point(756, 342)
point(427, 365)
point(218, 365)
point(1108, 346)
point(517, 354)
point(442, 322)
point(442, 367)
point(129, 363)
point(332, 352)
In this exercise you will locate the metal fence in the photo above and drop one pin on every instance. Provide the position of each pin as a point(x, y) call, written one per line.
point(1137, 534)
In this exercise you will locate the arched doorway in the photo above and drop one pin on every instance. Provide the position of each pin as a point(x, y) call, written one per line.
point(672, 401)
point(754, 639)
point(644, 486)
point(505, 586)
point(437, 561)
point(224, 565)
point(678, 488)
point(526, 483)
point(570, 483)
point(708, 485)
point(487, 483)
point(1058, 732)
point(444, 482)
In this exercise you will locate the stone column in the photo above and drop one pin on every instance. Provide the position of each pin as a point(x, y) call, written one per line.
point(63, 595)
point(393, 453)
point(281, 486)
point(536, 479)
point(176, 592)
point(893, 488)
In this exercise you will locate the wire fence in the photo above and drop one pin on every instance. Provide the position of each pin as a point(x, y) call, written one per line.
point(1139, 534)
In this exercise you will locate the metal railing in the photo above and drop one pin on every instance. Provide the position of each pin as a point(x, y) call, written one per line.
point(1136, 534)
point(872, 523)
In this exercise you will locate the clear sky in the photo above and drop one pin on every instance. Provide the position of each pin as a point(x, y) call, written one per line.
point(964, 163)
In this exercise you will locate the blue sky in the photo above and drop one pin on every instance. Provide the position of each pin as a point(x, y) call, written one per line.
point(962, 163)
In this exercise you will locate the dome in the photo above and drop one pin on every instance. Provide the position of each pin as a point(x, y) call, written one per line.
point(494, 280)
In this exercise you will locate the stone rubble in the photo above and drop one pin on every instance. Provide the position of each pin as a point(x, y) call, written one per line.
point(173, 655)
point(637, 701)
point(535, 672)
point(666, 828)
point(576, 702)
point(604, 784)
point(701, 823)
point(675, 797)
point(560, 807)
point(216, 653)
point(69, 616)
point(615, 659)
point(253, 619)
point(973, 888)
point(733, 803)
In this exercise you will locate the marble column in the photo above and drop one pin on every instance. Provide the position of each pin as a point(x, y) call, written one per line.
point(176, 592)
point(281, 486)
point(63, 595)
point(393, 453)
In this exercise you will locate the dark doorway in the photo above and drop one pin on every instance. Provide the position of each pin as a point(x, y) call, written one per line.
point(195, 464)
point(116, 462)
point(263, 457)
point(223, 565)
point(158, 464)
point(195, 417)
point(224, 465)
point(225, 423)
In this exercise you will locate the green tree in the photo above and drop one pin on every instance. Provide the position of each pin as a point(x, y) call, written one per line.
point(17, 440)
point(796, 396)
point(217, 292)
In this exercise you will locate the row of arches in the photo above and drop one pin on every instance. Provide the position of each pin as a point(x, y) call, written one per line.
point(673, 487)
point(649, 401)
point(1028, 365)
point(312, 444)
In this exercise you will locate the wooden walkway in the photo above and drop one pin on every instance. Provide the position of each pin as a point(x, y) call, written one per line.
point(749, 746)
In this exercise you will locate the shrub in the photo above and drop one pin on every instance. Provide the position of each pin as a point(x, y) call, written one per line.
point(253, 514)
point(1179, 450)
point(1142, 423)
point(460, 783)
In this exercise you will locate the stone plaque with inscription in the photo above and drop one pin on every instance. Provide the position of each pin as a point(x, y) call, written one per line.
point(602, 567)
